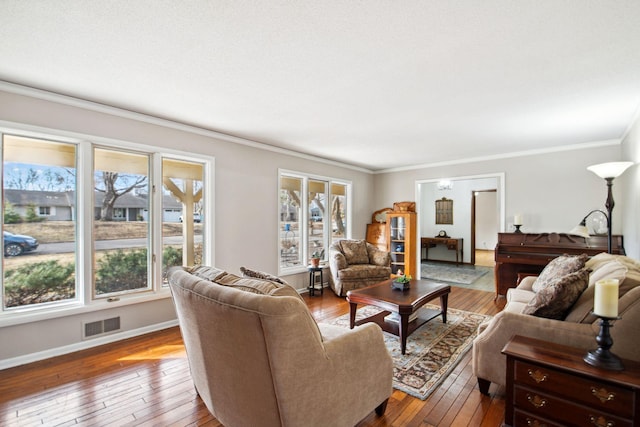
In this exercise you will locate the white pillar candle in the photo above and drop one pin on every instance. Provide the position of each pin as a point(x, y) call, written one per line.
point(517, 219)
point(605, 301)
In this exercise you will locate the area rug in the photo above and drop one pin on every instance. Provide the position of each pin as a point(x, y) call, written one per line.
point(449, 273)
point(433, 350)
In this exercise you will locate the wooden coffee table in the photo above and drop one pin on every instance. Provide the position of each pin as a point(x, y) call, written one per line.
point(405, 303)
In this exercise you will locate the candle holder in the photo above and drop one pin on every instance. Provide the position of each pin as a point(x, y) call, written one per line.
point(517, 226)
point(602, 357)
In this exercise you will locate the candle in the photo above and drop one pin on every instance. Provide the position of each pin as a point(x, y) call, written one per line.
point(517, 219)
point(605, 301)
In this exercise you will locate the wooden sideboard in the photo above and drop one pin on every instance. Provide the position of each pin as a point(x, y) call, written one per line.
point(529, 253)
point(550, 384)
point(452, 243)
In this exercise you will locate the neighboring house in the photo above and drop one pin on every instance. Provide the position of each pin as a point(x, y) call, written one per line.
point(53, 205)
point(60, 205)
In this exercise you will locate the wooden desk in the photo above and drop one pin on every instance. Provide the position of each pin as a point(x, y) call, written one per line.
point(451, 243)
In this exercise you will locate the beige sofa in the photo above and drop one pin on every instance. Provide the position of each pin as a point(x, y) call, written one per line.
point(577, 328)
point(356, 264)
point(258, 358)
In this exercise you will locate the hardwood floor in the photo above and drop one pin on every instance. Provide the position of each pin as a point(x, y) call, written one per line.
point(145, 381)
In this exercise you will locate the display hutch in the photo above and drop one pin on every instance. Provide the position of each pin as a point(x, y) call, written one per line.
point(401, 238)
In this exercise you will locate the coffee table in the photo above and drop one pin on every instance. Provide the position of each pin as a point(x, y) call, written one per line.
point(405, 303)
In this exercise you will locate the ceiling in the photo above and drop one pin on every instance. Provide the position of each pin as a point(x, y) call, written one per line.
point(377, 84)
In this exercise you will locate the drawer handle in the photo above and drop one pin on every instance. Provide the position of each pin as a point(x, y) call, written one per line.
point(603, 395)
point(536, 401)
point(600, 421)
point(537, 376)
point(535, 423)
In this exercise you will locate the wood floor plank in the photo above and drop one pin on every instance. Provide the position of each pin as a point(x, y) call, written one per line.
point(146, 381)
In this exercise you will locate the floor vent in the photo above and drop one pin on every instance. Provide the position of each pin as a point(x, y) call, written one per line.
point(100, 327)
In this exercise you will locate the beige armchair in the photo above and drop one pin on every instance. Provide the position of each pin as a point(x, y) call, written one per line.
point(258, 358)
point(356, 264)
point(578, 327)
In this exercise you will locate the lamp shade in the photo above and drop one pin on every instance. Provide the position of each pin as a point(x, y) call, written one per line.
point(580, 230)
point(610, 169)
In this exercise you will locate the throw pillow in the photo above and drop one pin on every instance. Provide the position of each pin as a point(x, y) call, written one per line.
point(554, 300)
point(355, 251)
point(205, 272)
point(261, 275)
point(558, 267)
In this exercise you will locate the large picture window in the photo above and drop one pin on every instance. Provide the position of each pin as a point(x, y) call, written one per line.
point(134, 213)
point(313, 213)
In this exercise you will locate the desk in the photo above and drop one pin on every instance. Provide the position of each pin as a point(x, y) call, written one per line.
point(451, 243)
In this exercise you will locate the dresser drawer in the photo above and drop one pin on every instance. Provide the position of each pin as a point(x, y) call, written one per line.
point(591, 392)
point(552, 407)
point(527, 419)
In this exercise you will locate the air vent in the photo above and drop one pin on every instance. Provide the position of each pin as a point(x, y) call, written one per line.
point(101, 327)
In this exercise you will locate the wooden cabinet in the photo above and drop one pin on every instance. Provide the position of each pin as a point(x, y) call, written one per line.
point(401, 242)
point(550, 384)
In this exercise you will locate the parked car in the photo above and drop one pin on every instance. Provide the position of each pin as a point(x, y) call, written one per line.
point(16, 244)
point(196, 217)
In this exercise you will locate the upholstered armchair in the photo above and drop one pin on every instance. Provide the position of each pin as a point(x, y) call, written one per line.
point(356, 264)
point(258, 358)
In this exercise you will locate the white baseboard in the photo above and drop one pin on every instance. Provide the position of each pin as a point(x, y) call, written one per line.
point(83, 345)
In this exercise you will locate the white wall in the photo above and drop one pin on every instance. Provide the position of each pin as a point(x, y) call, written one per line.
point(246, 212)
point(629, 183)
point(552, 191)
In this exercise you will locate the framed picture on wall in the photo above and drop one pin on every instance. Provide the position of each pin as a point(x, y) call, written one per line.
point(444, 211)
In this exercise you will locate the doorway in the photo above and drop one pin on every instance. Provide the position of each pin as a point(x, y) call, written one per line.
point(484, 226)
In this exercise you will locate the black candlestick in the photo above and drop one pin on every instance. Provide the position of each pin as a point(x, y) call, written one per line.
point(517, 226)
point(602, 357)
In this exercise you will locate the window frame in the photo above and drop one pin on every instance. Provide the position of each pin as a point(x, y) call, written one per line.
point(85, 301)
point(304, 220)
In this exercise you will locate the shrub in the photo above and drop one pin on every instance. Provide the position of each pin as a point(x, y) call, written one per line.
point(121, 271)
point(38, 283)
point(10, 214)
point(31, 215)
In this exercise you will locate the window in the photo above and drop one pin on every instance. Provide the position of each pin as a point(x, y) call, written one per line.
point(44, 211)
point(182, 193)
point(121, 183)
point(37, 171)
point(305, 231)
point(109, 207)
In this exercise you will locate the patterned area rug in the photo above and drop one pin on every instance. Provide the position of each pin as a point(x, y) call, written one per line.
point(456, 274)
point(433, 351)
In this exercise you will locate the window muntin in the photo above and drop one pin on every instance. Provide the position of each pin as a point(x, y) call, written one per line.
point(121, 253)
point(308, 223)
point(38, 172)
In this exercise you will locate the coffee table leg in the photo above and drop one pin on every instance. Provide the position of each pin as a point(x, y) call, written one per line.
point(444, 299)
point(352, 314)
point(404, 327)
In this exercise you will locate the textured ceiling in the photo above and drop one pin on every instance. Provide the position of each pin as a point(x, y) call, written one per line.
point(377, 84)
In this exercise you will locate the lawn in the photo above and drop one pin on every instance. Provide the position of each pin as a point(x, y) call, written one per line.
point(63, 231)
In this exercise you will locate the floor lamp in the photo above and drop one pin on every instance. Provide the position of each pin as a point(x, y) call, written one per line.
point(609, 171)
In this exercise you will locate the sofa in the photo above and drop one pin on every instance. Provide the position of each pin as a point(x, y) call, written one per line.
point(356, 264)
point(563, 314)
point(258, 358)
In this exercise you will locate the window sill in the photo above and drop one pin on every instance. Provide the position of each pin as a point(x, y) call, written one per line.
point(29, 315)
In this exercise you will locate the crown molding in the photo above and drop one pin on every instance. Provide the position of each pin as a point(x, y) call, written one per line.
point(146, 118)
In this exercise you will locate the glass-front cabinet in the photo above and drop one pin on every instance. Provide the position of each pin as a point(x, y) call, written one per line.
point(401, 242)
